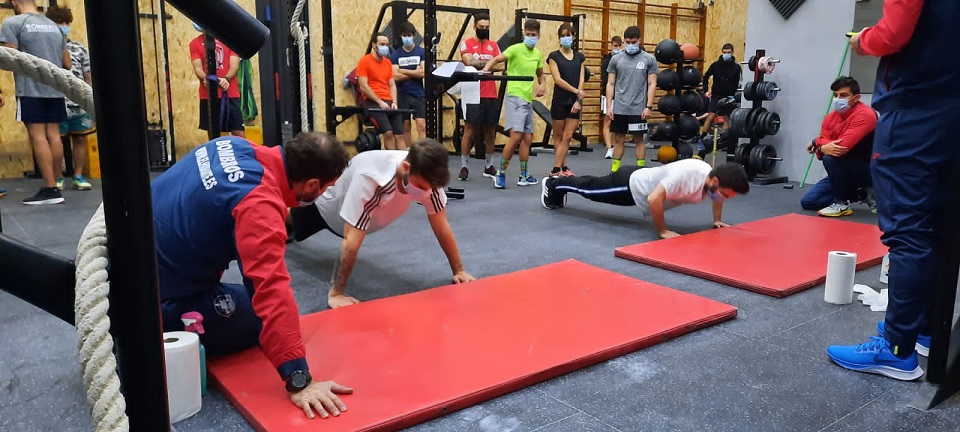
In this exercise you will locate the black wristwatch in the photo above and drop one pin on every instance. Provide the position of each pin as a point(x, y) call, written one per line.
point(298, 381)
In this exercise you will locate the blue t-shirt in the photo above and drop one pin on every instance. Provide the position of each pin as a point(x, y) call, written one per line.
point(409, 60)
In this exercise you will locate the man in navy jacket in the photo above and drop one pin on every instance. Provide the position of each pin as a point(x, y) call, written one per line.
point(915, 149)
point(226, 201)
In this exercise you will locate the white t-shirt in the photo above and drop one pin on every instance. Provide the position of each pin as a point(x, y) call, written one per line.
point(366, 194)
point(683, 181)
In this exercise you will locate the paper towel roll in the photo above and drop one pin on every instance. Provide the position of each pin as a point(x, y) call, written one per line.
point(182, 353)
point(841, 267)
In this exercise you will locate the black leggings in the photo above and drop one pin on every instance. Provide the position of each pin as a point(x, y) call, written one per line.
point(613, 188)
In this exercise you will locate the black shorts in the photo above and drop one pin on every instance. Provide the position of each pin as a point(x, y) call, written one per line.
point(305, 222)
point(486, 113)
point(561, 111)
point(622, 123)
point(417, 104)
point(234, 116)
point(384, 122)
point(714, 104)
point(31, 110)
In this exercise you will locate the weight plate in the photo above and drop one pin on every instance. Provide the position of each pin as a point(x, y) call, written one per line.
point(748, 91)
point(771, 91)
point(752, 63)
point(773, 124)
point(768, 159)
point(740, 156)
point(751, 123)
point(756, 161)
point(759, 126)
point(741, 121)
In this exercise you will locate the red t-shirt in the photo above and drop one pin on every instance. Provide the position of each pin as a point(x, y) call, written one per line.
point(199, 52)
point(378, 75)
point(485, 52)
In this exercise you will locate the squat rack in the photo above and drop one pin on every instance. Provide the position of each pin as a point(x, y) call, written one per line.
point(400, 11)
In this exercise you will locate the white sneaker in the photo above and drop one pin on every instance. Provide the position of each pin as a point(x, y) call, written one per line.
point(609, 153)
point(836, 209)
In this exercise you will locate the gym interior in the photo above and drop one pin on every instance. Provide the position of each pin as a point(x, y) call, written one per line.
point(580, 319)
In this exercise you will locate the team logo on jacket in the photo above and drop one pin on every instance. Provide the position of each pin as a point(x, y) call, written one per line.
point(224, 305)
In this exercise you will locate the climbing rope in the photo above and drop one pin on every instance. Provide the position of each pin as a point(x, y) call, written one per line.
point(50, 74)
point(91, 304)
point(299, 32)
point(93, 325)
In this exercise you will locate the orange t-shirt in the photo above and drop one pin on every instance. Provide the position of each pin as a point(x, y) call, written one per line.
point(378, 75)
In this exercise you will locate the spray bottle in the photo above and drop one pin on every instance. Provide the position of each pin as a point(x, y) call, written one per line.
point(193, 322)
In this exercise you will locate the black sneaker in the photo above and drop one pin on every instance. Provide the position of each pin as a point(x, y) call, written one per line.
point(45, 196)
point(547, 199)
point(464, 174)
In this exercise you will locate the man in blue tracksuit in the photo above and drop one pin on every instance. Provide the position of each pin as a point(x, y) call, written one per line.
point(915, 149)
point(226, 201)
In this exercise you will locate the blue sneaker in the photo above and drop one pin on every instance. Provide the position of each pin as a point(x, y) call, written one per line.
point(923, 342)
point(500, 180)
point(526, 180)
point(875, 357)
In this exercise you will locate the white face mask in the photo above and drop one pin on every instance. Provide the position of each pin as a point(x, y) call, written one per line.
point(414, 192)
point(304, 203)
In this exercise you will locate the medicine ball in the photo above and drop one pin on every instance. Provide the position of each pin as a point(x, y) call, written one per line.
point(684, 150)
point(668, 51)
point(690, 102)
point(689, 126)
point(690, 77)
point(669, 104)
point(665, 132)
point(666, 154)
point(668, 80)
point(690, 51)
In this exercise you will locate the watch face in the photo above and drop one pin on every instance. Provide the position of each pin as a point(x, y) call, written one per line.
point(299, 379)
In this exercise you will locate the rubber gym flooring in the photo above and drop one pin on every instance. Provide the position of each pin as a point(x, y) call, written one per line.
point(766, 370)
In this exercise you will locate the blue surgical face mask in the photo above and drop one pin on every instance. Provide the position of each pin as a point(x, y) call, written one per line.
point(407, 41)
point(840, 105)
point(414, 192)
point(727, 56)
point(530, 41)
point(566, 41)
point(715, 195)
point(632, 48)
point(383, 50)
point(65, 29)
point(197, 27)
point(617, 51)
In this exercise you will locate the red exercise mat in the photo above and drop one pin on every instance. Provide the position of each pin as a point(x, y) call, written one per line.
point(415, 357)
point(778, 256)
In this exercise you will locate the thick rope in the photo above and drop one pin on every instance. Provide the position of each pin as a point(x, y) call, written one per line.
point(93, 325)
point(91, 305)
point(50, 74)
point(299, 32)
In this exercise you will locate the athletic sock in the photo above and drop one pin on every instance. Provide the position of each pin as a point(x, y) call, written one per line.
point(523, 168)
point(504, 163)
point(564, 168)
point(489, 161)
point(555, 170)
point(615, 166)
point(463, 160)
point(641, 163)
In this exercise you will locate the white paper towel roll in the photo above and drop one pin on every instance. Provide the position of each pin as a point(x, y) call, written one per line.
point(841, 267)
point(182, 353)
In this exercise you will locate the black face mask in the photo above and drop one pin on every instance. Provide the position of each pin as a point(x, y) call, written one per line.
point(483, 34)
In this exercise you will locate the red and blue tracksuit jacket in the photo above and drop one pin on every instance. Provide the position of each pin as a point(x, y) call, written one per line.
point(227, 200)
